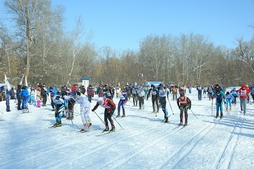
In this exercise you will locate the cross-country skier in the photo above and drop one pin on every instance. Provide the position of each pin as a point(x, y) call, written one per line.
point(162, 99)
point(155, 96)
point(220, 96)
point(184, 103)
point(84, 111)
point(123, 100)
point(24, 94)
point(243, 92)
point(59, 106)
point(110, 107)
point(141, 95)
point(229, 99)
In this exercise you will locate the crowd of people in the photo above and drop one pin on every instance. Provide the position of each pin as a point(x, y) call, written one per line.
point(62, 100)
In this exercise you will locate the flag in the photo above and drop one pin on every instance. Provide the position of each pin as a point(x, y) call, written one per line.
point(7, 82)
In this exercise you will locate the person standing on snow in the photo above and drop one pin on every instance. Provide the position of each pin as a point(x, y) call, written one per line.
point(155, 97)
point(229, 99)
point(162, 99)
point(84, 111)
point(24, 94)
point(183, 103)
point(110, 107)
point(141, 96)
point(220, 96)
point(123, 100)
point(199, 89)
point(243, 93)
point(59, 104)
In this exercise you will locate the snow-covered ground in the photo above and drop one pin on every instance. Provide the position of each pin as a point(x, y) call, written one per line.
point(27, 142)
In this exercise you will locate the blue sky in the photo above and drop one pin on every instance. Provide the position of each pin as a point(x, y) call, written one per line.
point(122, 25)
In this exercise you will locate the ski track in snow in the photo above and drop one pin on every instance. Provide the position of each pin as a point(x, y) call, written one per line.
point(224, 158)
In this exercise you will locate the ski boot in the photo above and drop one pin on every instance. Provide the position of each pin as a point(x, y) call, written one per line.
point(113, 129)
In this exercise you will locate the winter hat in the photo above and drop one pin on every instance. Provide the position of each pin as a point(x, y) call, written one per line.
point(243, 85)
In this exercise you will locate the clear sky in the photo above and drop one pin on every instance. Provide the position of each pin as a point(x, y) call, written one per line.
point(122, 24)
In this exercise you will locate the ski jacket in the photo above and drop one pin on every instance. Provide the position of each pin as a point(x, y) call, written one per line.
point(183, 101)
point(220, 96)
point(108, 104)
point(243, 91)
point(83, 101)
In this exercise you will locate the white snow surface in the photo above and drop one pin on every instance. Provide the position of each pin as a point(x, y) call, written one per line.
point(145, 142)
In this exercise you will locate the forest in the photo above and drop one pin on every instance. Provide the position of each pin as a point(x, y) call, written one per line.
point(38, 48)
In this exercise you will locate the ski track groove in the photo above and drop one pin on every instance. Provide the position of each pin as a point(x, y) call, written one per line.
point(60, 146)
point(179, 155)
point(122, 159)
point(97, 148)
point(228, 151)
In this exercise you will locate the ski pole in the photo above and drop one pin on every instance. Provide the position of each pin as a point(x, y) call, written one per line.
point(193, 113)
point(99, 117)
point(117, 122)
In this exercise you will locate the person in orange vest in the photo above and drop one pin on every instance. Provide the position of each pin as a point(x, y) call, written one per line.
point(184, 103)
point(110, 107)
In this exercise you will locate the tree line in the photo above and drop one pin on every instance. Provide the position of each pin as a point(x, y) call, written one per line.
point(38, 48)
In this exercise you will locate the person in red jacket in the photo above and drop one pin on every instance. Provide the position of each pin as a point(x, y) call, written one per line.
point(243, 93)
point(110, 107)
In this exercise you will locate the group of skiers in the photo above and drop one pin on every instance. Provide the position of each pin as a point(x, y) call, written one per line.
point(63, 101)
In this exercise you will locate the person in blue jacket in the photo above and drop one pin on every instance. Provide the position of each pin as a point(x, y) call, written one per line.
point(219, 95)
point(24, 95)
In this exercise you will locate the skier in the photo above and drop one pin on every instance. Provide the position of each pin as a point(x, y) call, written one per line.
point(141, 95)
point(24, 94)
point(134, 95)
point(110, 107)
point(199, 89)
point(59, 106)
point(123, 100)
point(18, 97)
point(229, 99)
point(243, 92)
point(184, 103)
point(155, 94)
point(235, 94)
point(162, 99)
point(90, 93)
point(84, 111)
point(220, 96)
point(8, 97)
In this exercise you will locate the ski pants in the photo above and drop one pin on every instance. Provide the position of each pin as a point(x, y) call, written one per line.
point(183, 110)
point(155, 101)
point(108, 117)
point(164, 109)
point(228, 103)
point(84, 114)
point(219, 107)
point(121, 104)
point(141, 101)
point(243, 105)
point(135, 99)
point(58, 114)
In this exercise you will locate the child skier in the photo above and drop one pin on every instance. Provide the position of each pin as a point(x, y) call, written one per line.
point(59, 107)
point(184, 103)
point(84, 111)
point(229, 99)
point(110, 107)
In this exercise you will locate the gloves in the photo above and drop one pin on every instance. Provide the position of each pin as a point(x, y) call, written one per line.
point(188, 107)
